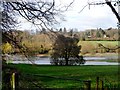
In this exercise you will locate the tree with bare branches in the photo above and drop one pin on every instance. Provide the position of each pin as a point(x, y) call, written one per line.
point(41, 13)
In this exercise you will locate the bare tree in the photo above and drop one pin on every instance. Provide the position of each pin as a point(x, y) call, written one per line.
point(41, 13)
point(109, 3)
point(113, 9)
point(38, 12)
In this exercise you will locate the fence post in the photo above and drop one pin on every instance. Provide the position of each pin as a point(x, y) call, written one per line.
point(17, 80)
point(87, 84)
point(13, 81)
point(97, 83)
point(102, 85)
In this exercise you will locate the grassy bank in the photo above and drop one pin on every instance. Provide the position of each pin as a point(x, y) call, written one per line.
point(66, 76)
point(92, 47)
point(89, 48)
point(101, 54)
point(102, 42)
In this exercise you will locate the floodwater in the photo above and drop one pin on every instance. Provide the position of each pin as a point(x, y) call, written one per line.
point(89, 61)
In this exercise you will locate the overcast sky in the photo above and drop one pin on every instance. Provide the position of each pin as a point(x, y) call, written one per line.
point(99, 16)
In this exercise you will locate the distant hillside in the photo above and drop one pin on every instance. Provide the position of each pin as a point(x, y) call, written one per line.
point(92, 34)
point(100, 34)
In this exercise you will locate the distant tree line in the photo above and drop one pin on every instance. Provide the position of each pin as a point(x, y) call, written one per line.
point(93, 34)
point(30, 43)
point(40, 42)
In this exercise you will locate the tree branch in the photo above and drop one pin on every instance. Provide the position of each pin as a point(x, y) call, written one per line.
point(113, 10)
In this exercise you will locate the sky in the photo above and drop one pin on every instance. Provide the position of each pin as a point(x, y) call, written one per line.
point(93, 17)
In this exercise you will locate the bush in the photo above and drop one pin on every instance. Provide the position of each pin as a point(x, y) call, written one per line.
point(7, 48)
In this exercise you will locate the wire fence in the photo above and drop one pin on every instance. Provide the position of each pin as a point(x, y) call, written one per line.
point(15, 81)
point(44, 81)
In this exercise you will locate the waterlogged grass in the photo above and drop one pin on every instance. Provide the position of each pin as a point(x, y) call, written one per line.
point(67, 76)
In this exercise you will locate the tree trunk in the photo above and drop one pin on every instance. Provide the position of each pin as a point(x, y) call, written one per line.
point(66, 61)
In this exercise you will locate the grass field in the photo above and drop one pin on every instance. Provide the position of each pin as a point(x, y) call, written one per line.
point(92, 46)
point(114, 43)
point(49, 76)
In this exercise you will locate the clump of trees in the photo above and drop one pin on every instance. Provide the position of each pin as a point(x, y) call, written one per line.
point(41, 42)
point(65, 51)
point(7, 48)
point(29, 43)
point(110, 34)
point(40, 13)
point(100, 34)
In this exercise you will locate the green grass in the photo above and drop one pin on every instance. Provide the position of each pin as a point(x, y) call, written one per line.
point(43, 74)
point(114, 43)
point(92, 47)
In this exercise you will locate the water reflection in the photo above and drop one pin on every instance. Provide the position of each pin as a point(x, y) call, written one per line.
point(89, 61)
point(100, 63)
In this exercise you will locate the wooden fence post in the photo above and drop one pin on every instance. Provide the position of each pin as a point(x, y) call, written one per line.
point(87, 84)
point(13, 81)
point(97, 83)
point(102, 84)
point(17, 80)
